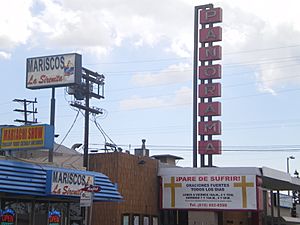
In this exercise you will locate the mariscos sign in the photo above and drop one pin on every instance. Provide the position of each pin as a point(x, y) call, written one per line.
point(225, 192)
point(67, 183)
point(53, 71)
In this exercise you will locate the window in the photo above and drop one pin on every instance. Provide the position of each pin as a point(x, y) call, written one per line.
point(154, 220)
point(136, 220)
point(125, 219)
point(146, 220)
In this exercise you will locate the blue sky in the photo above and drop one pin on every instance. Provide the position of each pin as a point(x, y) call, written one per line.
point(144, 49)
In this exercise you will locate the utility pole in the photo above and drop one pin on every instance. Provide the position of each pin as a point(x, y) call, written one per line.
point(52, 122)
point(26, 103)
point(91, 87)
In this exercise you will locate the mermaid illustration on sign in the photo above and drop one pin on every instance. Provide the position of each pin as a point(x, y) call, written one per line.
point(69, 69)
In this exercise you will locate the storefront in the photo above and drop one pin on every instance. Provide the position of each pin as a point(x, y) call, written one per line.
point(224, 196)
point(34, 194)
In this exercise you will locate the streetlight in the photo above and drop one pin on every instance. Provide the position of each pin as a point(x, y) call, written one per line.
point(288, 163)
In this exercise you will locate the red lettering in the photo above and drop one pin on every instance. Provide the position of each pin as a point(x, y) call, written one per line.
point(202, 179)
point(68, 191)
point(54, 219)
point(44, 79)
point(185, 179)
point(56, 190)
point(8, 218)
point(32, 80)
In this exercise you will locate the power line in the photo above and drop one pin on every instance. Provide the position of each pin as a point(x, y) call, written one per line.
point(225, 146)
point(225, 86)
point(254, 62)
point(227, 150)
point(180, 82)
point(68, 132)
point(181, 58)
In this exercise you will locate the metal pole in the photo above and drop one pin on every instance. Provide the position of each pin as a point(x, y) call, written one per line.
point(90, 213)
point(272, 207)
point(86, 125)
point(278, 203)
point(25, 112)
point(195, 86)
point(68, 213)
point(195, 89)
point(52, 121)
point(210, 157)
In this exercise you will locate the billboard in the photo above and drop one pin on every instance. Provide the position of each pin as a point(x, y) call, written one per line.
point(216, 192)
point(66, 183)
point(53, 71)
point(27, 137)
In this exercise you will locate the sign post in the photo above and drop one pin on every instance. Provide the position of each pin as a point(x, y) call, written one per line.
point(50, 72)
point(86, 200)
point(204, 93)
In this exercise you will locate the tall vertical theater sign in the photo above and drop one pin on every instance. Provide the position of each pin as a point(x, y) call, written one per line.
point(207, 73)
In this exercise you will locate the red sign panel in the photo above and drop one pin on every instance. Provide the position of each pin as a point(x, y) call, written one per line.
point(210, 90)
point(210, 53)
point(210, 127)
point(91, 188)
point(210, 147)
point(207, 90)
point(210, 109)
point(211, 34)
point(213, 15)
point(210, 72)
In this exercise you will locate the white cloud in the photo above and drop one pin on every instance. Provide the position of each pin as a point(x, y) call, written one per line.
point(183, 97)
point(252, 28)
point(99, 26)
point(173, 74)
point(5, 55)
point(14, 23)
point(141, 103)
point(272, 77)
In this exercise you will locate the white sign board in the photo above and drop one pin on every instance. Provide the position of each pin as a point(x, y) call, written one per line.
point(68, 183)
point(231, 192)
point(286, 201)
point(86, 199)
point(53, 71)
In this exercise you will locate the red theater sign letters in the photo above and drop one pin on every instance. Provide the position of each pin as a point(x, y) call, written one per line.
point(208, 73)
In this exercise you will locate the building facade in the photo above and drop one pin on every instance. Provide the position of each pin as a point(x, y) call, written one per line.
point(136, 177)
point(35, 194)
point(162, 193)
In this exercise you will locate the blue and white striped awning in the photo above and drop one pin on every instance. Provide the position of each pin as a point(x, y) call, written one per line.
point(22, 178)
